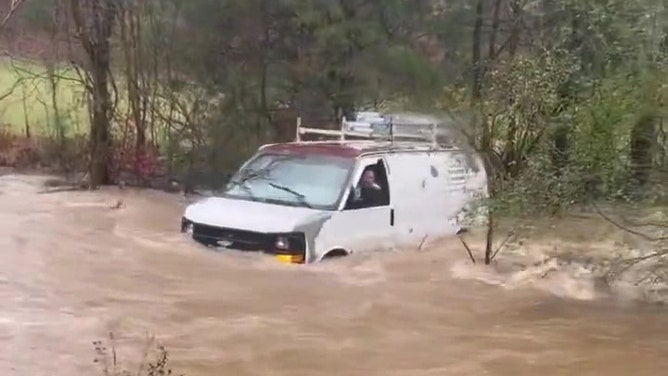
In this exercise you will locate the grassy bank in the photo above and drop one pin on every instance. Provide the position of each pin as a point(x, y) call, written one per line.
point(27, 96)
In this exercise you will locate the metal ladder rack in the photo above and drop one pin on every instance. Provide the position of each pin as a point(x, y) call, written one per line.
point(382, 131)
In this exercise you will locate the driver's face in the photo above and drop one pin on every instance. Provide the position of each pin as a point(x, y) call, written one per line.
point(368, 178)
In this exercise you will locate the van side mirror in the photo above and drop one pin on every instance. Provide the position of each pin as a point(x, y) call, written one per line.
point(356, 193)
point(354, 198)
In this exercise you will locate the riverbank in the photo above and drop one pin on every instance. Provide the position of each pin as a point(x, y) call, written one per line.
point(618, 253)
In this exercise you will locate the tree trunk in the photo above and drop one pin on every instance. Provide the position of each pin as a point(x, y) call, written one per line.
point(476, 58)
point(99, 135)
point(643, 140)
point(484, 139)
point(94, 21)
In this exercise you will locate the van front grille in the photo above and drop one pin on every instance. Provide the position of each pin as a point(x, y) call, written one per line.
point(232, 238)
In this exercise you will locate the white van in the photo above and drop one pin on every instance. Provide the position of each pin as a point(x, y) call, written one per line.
point(304, 201)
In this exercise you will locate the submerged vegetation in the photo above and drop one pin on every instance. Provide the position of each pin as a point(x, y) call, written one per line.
point(154, 362)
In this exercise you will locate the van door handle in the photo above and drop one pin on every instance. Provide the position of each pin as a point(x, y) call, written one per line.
point(391, 217)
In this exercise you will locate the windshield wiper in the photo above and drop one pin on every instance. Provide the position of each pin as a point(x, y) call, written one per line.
point(253, 175)
point(242, 184)
point(301, 197)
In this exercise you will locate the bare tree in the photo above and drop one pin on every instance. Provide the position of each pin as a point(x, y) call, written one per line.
point(136, 74)
point(94, 21)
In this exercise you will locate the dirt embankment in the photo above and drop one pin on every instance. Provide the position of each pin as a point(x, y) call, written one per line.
point(68, 161)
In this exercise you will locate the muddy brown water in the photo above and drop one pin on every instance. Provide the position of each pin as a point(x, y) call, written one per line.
point(72, 269)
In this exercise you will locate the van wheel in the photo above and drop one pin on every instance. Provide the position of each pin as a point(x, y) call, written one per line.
point(333, 254)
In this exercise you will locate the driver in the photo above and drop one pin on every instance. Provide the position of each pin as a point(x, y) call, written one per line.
point(371, 191)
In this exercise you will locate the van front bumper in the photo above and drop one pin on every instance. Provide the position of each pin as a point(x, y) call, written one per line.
point(284, 247)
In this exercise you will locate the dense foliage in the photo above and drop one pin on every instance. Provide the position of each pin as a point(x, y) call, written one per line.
point(566, 99)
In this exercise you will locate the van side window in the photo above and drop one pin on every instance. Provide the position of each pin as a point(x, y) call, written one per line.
point(372, 189)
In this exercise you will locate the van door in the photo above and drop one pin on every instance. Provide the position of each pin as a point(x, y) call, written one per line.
point(366, 218)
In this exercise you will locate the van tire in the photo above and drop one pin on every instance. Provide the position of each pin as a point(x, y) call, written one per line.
point(335, 253)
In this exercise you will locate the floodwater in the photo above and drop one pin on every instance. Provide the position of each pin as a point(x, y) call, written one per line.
point(72, 269)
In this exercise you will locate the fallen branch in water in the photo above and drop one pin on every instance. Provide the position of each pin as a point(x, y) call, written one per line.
point(627, 264)
point(659, 249)
point(424, 239)
point(468, 249)
point(503, 243)
point(495, 253)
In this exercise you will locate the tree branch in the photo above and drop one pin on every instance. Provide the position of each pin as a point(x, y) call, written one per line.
point(15, 5)
point(627, 229)
point(627, 264)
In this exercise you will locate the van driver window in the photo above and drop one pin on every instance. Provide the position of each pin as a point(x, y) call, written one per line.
point(371, 189)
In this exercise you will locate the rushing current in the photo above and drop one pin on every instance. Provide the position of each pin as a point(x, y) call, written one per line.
point(75, 266)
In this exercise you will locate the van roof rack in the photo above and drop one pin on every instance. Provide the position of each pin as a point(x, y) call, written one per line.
point(374, 126)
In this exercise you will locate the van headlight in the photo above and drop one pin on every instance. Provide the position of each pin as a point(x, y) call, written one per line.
point(282, 242)
point(187, 226)
point(293, 242)
point(290, 248)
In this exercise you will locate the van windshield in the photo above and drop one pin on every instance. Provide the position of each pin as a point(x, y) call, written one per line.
point(309, 181)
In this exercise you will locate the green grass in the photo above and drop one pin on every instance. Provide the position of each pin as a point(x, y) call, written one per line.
point(25, 97)
point(28, 99)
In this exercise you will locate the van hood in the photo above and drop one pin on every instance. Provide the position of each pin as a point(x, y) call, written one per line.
point(249, 215)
